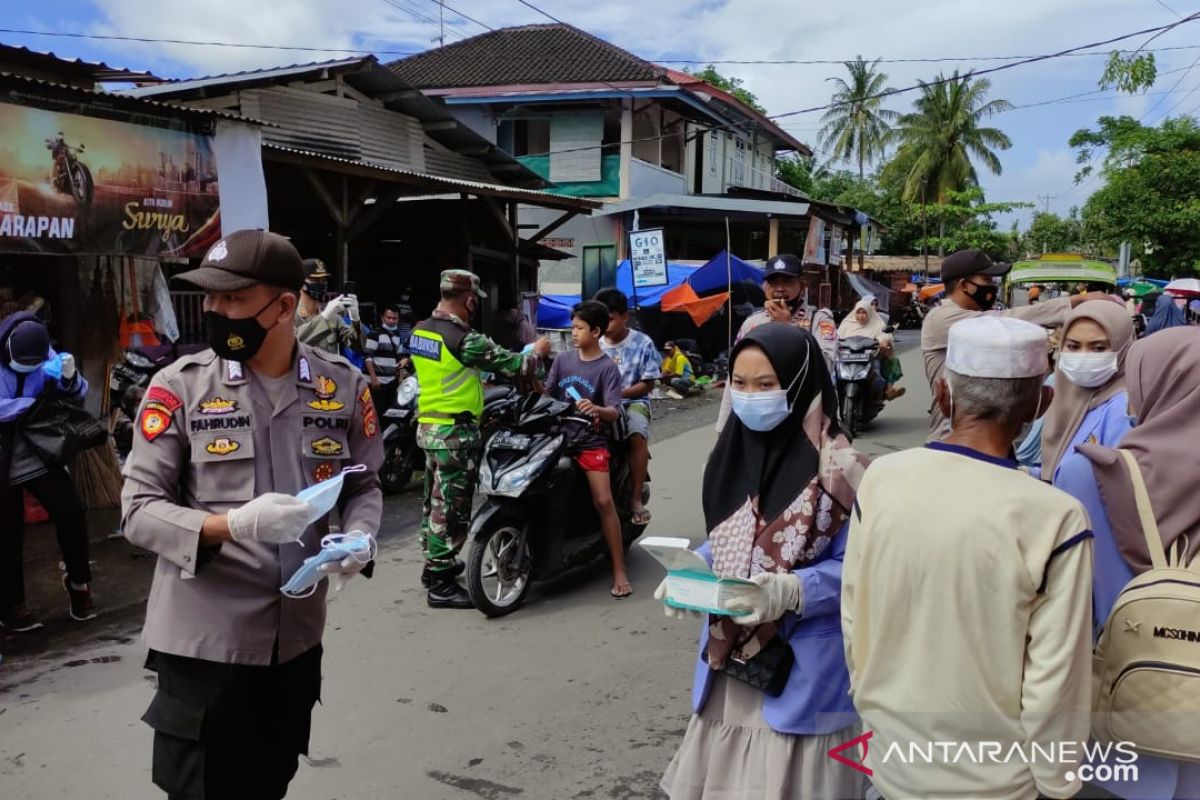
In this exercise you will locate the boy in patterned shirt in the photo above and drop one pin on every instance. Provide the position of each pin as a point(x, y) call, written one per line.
point(638, 359)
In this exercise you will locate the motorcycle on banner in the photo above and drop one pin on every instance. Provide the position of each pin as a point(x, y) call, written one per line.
point(70, 175)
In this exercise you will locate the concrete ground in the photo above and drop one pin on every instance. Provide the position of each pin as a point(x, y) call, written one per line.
point(576, 695)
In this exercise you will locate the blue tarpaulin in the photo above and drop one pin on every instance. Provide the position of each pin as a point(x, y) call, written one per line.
point(554, 310)
point(714, 276)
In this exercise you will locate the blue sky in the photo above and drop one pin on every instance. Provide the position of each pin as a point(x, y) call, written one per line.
point(1039, 163)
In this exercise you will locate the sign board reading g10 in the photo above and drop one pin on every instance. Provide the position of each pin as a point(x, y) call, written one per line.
point(648, 258)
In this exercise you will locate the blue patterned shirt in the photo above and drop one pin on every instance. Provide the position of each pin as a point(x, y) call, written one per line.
point(637, 357)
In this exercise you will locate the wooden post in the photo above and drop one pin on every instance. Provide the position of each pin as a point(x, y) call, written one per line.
point(773, 238)
point(465, 222)
point(516, 251)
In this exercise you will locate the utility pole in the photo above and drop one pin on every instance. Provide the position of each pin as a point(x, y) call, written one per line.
point(1046, 198)
point(441, 23)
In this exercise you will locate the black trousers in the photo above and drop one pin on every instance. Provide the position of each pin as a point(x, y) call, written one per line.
point(56, 493)
point(228, 730)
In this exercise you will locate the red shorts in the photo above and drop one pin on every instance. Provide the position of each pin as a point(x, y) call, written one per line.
point(593, 460)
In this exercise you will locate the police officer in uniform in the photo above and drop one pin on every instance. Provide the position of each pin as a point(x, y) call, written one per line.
point(224, 440)
point(448, 357)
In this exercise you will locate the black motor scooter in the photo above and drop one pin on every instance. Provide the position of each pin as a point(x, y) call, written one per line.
point(401, 456)
point(860, 382)
point(537, 519)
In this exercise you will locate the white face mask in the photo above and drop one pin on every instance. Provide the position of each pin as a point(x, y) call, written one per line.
point(764, 411)
point(1088, 370)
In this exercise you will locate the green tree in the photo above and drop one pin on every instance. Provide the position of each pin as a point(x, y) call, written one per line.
point(856, 128)
point(1151, 195)
point(1129, 72)
point(942, 137)
point(735, 86)
point(1050, 233)
point(965, 220)
point(798, 171)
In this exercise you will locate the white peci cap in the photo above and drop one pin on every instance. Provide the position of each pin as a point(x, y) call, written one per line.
point(997, 347)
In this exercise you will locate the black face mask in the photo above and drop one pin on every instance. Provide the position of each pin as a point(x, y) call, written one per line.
point(983, 295)
point(316, 290)
point(236, 339)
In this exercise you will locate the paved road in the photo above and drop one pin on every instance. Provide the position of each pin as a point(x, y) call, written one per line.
point(575, 696)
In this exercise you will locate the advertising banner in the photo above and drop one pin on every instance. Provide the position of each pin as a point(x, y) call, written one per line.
point(648, 257)
point(814, 245)
point(74, 184)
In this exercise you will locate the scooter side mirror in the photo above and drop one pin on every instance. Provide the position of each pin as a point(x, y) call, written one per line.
point(889, 329)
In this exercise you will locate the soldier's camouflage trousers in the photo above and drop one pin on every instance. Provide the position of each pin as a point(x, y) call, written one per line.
point(450, 476)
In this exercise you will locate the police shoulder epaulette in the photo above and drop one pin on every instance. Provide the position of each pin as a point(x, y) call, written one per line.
point(324, 355)
point(204, 357)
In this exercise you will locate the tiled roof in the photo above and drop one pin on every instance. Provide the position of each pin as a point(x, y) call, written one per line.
point(529, 54)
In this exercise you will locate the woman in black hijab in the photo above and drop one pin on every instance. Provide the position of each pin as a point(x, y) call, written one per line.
point(778, 486)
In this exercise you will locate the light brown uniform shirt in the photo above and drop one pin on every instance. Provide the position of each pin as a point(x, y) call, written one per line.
point(209, 438)
point(935, 337)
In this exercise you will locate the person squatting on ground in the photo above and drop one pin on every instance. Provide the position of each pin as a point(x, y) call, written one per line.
point(637, 358)
point(970, 622)
point(593, 381)
point(777, 489)
point(29, 369)
point(864, 320)
point(225, 440)
point(324, 327)
point(677, 370)
point(786, 293)
point(448, 357)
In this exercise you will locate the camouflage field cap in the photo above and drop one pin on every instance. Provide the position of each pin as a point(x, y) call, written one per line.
point(460, 280)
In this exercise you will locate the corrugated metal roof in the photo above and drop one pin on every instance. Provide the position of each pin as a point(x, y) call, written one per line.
point(442, 185)
point(699, 202)
point(231, 78)
point(553, 53)
point(97, 70)
point(129, 103)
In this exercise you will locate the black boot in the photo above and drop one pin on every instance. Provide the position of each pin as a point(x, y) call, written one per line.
point(459, 568)
point(446, 593)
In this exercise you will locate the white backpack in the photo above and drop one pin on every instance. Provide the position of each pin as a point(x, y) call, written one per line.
point(1146, 665)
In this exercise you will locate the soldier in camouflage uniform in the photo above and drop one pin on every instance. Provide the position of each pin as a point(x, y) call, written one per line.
point(448, 357)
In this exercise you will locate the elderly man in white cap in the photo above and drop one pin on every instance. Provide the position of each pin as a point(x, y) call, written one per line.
point(967, 619)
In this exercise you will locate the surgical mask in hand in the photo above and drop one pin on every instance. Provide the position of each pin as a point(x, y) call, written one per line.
point(336, 547)
point(1088, 370)
point(323, 496)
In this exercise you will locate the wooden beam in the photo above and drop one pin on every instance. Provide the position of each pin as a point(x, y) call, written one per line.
point(551, 228)
point(441, 125)
point(403, 94)
point(320, 87)
point(498, 213)
point(331, 205)
point(516, 253)
point(773, 238)
point(384, 201)
point(360, 203)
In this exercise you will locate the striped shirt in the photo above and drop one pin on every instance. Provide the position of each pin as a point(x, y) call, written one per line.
point(384, 349)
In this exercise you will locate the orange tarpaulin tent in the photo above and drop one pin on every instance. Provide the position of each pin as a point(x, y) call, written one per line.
point(930, 290)
point(684, 298)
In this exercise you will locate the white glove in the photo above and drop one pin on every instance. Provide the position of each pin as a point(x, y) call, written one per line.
point(271, 518)
point(68, 367)
point(777, 593)
point(671, 611)
point(341, 572)
point(333, 309)
point(350, 303)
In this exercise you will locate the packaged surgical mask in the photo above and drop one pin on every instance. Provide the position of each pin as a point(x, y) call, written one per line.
point(335, 547)
point(1088, 370)
point(323, 496)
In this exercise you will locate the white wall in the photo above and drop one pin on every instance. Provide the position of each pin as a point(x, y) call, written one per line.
point(478, 119)
point(581, 230)
point(647, 179)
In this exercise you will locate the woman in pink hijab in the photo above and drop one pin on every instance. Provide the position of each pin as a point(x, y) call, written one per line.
point(1162, 378)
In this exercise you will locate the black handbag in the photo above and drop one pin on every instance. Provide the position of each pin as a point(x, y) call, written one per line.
point(767, 670)
point(58, 428)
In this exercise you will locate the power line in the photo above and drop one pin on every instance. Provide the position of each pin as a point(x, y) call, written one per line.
point(452, 10)
point(746, 62)
point(1168, 8)
point(1173, 88)
point(412, 12)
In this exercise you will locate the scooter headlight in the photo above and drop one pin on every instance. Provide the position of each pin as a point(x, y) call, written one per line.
point(513, 482)
point(407, 392)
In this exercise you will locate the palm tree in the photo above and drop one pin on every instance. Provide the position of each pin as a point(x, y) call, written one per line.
point(856, 128)
point(938, 139)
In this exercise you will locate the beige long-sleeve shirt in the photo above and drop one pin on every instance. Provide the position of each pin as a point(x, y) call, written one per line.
point(210, 437)
point(935, 337)
point(967, 619)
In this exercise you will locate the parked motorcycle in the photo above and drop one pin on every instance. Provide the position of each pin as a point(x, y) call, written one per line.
point(860, 382)
point(70, 175)
point(911, 316)
point(537, 519)
point(401, 456)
